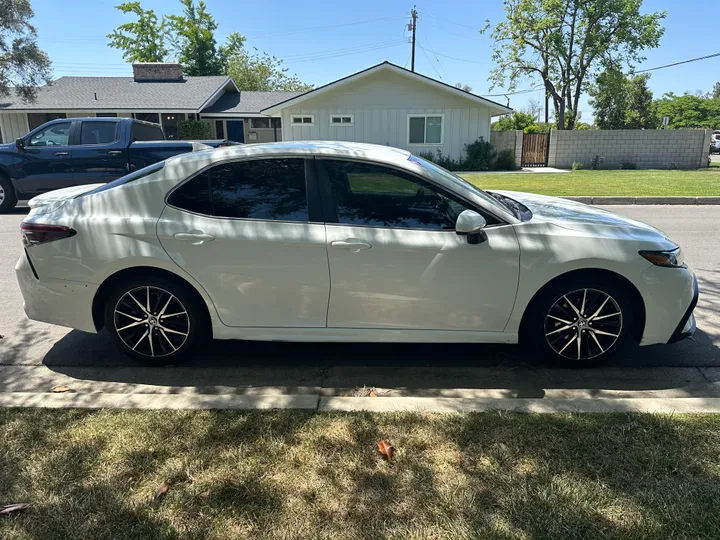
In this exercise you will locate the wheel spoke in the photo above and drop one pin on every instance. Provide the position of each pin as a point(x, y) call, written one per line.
point(579, 344)
point(173, 315)
point(592, 318)
point(566, 346)
point(561, 320)
point(568, 327)
point(168, 340)
point(582, 308)
point(596, 341)
point(572, 306)
point(606, 316)
point(138, 303)
point(139, 340)
point(602, 333)
point(148, 299)
point(152, 349)
point(162, 311)
point(136, 323)
point(129, 316)
point(166, 329)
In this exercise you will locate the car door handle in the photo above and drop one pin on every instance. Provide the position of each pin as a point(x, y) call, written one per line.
point(62, 153)
point(196, 238)
point(114, 152)
point(351, 245)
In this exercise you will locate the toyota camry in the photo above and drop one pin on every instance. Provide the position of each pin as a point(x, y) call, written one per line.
point(344, 242)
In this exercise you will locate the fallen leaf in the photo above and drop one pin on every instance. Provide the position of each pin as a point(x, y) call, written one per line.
point(161, 492)
point(386, 449)
point(17, 507)
point(60, 389)
point(372, 394)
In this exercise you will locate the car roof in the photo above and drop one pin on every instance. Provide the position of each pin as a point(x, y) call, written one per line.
point(328, 149)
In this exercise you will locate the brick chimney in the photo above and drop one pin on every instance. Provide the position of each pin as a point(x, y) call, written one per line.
point(157, 71)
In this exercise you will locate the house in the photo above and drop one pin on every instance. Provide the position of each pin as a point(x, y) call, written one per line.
point(384, 104)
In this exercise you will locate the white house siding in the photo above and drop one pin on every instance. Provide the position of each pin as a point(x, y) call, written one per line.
point(380, 105)
point(13, 125)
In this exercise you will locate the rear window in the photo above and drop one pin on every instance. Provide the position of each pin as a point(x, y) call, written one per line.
point(146, 132)
point(99, 132)
point(137, 175)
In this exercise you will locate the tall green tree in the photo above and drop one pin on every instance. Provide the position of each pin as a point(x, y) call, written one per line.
point(622, 102)
point(516, 121)
point(688, 111)
point(193, 37)
point(565, 43)
point(142, 40)
point(263, 72)
point(639, 113)
point(716, 91)
point(23, 66)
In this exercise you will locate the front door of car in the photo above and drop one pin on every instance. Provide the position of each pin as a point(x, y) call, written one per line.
point(98, 155)
point(396, 261)
point(45, 163)
point(247, 233)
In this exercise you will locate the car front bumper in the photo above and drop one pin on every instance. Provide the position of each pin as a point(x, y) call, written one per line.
point(687, 326)
point(55, 301)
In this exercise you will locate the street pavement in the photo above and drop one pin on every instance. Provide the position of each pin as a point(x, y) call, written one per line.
point(35, 356)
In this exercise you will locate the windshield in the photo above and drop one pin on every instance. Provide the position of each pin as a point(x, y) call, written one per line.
point(459, 182)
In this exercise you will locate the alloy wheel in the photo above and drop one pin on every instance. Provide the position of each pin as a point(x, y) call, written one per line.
point(583, 324)
point(2, 194)
point(151, 321)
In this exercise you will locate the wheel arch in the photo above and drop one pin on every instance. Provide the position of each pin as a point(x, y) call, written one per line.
point(106, 287)
point(636, 299)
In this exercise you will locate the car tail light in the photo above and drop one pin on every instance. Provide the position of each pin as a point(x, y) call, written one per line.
point(37, 233)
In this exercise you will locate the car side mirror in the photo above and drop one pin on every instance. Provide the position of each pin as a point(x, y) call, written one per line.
point(20, 144)
point(471, 224)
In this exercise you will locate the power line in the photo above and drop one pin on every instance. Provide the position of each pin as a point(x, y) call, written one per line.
point(433, 65)
point(460, 59)
point(504, 94)
point(679, 63)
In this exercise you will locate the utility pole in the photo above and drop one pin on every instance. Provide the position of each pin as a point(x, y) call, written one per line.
point(413, 14)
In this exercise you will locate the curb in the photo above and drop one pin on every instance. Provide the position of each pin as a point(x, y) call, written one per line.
point(347, 404)
point(646, 200)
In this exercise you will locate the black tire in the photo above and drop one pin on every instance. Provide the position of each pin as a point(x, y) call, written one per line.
point(164, 343)
point(9, 198)
point(550, 312)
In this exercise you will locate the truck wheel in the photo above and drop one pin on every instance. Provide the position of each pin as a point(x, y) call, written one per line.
point(8, 199)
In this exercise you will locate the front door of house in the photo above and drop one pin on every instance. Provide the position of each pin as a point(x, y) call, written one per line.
point(236, 131)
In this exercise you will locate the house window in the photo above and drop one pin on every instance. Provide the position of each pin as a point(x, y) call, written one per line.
point(276, 123)
point(260, 123)
point(341, 120)
point(424, 129)
point(171, 124)
point(219, 129)
point(148, 117)
point(303, 120)
point(106, 115)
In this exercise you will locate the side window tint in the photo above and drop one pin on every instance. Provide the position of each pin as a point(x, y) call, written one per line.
point(55, 135)
point(99, 132)
point(377, 196)
point(272, 189)
point(146, 132)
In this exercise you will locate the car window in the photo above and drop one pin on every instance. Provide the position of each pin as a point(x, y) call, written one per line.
point(55, 135)
point(146, 132)
point(270, 189)
point(377, 196)
point(99, 132)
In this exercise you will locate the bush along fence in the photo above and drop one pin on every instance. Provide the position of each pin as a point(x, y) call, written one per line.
point(616, 149)
point(478, 156)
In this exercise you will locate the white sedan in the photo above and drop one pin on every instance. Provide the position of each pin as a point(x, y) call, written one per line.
point(335, 241)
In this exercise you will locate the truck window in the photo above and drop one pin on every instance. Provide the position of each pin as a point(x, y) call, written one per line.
point(55, 135)
point(99, 132)
point(146, 132)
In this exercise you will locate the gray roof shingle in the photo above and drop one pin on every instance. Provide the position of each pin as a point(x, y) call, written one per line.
point(248, 102)
point(119, 93)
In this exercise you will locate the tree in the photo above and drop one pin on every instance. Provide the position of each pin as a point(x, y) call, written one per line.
point(565, 42)
point(639, 113)
point(517, 120)
point(716, 91)
point(609, 99)
point(193, 38)
point(688, 111)
point(262, 72)
point(465, 87)
point(534, 108)
point(142, 40)
point(23, 66)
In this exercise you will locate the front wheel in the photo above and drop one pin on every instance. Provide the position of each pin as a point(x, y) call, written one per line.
point(8, 199)
point(155, 320)
point(582, 322)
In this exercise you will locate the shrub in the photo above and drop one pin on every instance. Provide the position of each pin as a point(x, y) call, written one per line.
point(595, 163)
point(427, 155)
point(480, 156)
point(628, 165)
point(505, 161)
point(532, 129)
point(443, 161)
point(195, 130)
point(577, 166)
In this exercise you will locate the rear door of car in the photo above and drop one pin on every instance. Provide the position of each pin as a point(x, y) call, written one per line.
point(98, 153)
point(252, 234)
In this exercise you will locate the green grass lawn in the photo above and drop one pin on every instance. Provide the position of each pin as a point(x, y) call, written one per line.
point(695, 183)
point(291, 474)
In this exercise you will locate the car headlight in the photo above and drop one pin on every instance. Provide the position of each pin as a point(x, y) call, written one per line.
point(671, 259)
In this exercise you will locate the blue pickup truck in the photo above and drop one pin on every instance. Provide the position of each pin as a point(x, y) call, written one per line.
point(75, 151)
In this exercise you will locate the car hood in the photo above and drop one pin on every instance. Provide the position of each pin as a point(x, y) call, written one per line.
point(582, 217)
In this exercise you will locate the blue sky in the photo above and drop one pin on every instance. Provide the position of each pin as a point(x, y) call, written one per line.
point(323, 40)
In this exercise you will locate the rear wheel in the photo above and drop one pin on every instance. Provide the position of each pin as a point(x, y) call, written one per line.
point(155, 320)
point(581, 322)
point(8, 199)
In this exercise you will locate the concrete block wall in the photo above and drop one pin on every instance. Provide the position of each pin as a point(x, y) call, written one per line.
point(646, 149)
point(508, 140)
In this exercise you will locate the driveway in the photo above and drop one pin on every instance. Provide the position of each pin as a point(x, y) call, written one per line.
point(36, 356)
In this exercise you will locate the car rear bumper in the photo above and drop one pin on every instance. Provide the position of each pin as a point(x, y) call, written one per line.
point(55, 301)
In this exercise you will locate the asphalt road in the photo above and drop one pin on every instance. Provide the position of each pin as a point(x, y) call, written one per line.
point(33, 355)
